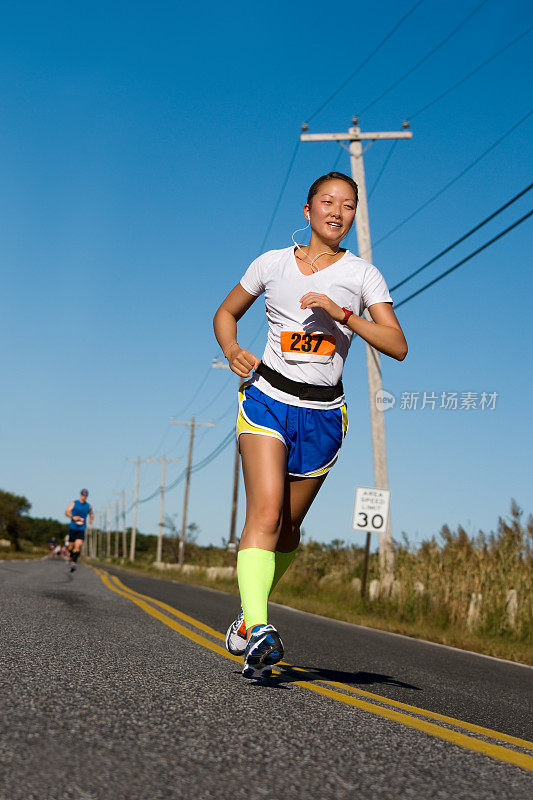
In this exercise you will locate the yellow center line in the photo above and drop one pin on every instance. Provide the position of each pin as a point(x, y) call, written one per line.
point(477, 729)
point(458, 723)
point(195, 637)
point(468, 742)
point(170, 609)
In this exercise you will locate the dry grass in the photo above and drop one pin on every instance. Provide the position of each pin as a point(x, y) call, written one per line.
point(24, 555)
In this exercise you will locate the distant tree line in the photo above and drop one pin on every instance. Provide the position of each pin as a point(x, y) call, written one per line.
point(17, 527)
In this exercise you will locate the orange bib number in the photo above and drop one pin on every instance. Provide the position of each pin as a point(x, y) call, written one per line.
point(301, 346)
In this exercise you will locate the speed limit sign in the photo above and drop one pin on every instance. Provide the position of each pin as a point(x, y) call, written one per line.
point(371, 510)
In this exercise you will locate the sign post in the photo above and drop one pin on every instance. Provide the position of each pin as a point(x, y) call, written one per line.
point(370, 514)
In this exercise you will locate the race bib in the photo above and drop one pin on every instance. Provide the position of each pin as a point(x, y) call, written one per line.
point(301, 346)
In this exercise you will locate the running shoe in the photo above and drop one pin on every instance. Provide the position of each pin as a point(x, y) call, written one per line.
point(236, 636)
point(73, 568)
point(264, 649)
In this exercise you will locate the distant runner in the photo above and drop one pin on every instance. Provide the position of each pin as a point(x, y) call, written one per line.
point(292, 414)
point(78, 511)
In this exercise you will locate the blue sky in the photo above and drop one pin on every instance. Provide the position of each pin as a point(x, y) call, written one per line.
point(143, 149)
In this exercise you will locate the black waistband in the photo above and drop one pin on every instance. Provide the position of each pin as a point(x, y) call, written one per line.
point(304, 391)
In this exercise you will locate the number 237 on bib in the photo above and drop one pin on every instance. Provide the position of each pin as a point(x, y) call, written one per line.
point(303, 346)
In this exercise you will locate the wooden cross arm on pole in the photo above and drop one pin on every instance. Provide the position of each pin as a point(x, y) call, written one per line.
point(164, 458)
point(349, 136)
point(193, 422)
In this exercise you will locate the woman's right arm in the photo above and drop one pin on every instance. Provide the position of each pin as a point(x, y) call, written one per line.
point(225, 321)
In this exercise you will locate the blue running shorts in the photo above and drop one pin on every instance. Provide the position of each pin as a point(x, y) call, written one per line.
point(313, 437)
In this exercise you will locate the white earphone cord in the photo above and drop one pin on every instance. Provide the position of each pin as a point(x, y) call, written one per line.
point(325, 253)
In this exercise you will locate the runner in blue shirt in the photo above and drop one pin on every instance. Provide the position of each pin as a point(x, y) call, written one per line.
point(78, 511)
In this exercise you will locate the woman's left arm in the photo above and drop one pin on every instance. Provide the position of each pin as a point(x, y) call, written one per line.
point(384, 333)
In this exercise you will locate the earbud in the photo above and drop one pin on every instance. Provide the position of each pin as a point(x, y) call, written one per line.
point(295, 243)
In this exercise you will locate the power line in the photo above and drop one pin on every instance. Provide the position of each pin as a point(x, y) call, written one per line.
point(123, 467)
point(464, 260)
point(383, 168)
point(269, 226)
point(364, 62)
point(199, 389)
point(176, 447)
point(281, 193)
point(221, 446)
point(225, 413)
point(201, 464)
point(217, 395)
point(155, 492)
point(454, 180)
point(272, 218)
point(423, 59)
point(229, 438)
point(470, 74)
point(201, 436)
point(215, 452)
point(163, 439)
point(188, 405)
point(465, 236)
point(338, 158)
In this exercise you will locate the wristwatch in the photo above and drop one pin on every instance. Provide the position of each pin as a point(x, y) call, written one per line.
point(347, 314)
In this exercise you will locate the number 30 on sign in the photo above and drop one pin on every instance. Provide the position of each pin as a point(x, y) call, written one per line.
point(371, 510)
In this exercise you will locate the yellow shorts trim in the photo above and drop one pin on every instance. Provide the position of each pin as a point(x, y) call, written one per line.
point(245, 426)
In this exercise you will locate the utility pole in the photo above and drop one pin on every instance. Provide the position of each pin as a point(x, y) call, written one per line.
point(122, 527)
point(232, 543)
point(164, 461)
point(124, 534)
point(100, 540)
point(135, 504)
point(355, 136)
point(193, 425)
point(108, 532)
point(116, 529)
point(137, 461)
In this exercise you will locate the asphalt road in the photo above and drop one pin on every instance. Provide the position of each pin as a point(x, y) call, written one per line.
point(104, 694)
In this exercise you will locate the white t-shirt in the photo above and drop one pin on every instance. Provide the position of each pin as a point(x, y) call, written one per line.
point(306, 345)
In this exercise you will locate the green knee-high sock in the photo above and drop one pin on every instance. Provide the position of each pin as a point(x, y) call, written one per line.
point(283, 562)
point(255, 572)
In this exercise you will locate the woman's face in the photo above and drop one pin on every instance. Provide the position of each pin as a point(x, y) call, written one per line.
point(332, 211)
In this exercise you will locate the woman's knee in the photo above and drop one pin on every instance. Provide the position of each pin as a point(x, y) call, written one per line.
point(265, 519)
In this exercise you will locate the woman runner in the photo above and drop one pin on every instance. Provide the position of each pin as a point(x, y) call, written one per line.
point(292, 414)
